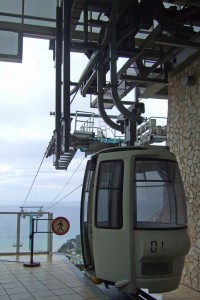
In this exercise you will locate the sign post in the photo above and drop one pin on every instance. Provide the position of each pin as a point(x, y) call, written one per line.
point(32, 263)
point(59, 226)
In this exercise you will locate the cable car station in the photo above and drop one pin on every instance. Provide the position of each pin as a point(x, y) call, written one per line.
point(158, 45)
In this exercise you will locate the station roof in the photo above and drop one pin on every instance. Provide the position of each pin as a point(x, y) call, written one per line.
point(151, 34)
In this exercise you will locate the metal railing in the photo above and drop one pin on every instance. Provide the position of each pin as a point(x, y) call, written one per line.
point(152, 130)
point(86, 125)
point(15, 230)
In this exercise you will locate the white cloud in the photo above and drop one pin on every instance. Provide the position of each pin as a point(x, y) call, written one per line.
point(5, 168)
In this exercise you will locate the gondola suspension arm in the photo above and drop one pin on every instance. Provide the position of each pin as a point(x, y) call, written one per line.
point(113, 67)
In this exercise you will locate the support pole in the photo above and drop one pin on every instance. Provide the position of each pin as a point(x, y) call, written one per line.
point(50, 240)
point(32, 263)
point(59, 19)
point(66, 75)
point(18, 234)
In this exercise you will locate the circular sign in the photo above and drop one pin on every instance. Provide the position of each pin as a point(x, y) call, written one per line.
point(60, 225)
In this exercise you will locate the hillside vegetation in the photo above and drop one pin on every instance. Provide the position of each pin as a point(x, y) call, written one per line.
point(72, 247)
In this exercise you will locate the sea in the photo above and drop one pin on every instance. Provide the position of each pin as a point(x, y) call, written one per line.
point(8, 228)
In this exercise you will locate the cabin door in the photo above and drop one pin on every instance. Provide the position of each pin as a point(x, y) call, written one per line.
point(86, 217)
point(111, 241)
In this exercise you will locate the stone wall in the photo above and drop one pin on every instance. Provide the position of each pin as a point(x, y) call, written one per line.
point(183, 138)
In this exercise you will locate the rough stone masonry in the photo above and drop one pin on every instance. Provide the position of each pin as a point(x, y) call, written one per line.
point(183, 138)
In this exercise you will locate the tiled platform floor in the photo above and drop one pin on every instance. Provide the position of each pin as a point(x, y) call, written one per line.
point(57, 278)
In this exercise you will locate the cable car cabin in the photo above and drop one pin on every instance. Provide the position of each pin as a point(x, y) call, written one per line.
point(133, 219)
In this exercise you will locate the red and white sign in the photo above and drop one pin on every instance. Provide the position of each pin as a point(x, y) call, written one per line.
point(60, 226)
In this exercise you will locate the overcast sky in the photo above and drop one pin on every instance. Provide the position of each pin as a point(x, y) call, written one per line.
point(27, 97)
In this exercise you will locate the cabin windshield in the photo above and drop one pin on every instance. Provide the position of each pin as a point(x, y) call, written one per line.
point(159, 194)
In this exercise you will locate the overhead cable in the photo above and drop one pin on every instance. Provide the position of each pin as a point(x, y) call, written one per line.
point(51, 203)
point(66, 196)
point(34, 180)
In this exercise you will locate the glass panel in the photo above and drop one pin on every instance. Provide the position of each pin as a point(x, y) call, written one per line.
point(85, 217)
point(11, 6)
point(108, 169)
point(8, 236)
point(25, 230)
point(153, 170)
point(104, 175)
point(88, 180)
point(10, 19)
point(116, 208)
point(86, 192)
point(9, 42)
point(40, 237)
point(115, 179)
point(159, 194)
point(103, 207)
point(109, 195)
point(40, 8)
point(152, 202)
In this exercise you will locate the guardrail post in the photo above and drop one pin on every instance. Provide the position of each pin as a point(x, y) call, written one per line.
point(18, 234)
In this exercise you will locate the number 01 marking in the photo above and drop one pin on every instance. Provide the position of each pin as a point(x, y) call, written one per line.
point(154, 246)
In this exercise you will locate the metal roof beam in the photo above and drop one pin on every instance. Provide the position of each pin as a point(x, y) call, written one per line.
point(29, 30)
point(173, 42)
point(142, 79)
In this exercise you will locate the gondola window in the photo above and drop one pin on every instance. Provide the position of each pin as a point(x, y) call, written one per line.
point(160, 199)
point(109, 195)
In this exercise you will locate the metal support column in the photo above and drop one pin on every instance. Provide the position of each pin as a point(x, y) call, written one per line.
point(50, 239)
point(66, 75)
point(32, 263)
point(18, 234)
point(59, 19)
point(85, 17)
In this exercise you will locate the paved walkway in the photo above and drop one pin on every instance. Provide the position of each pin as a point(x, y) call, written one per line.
point(58, 279)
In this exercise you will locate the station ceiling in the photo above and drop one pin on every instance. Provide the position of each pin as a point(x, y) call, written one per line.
point(154, 37)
